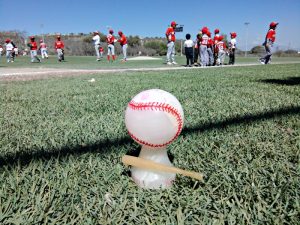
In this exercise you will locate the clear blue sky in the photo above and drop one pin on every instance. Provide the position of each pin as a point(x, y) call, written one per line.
point(151, 17)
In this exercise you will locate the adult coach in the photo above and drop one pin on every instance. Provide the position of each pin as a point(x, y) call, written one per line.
point(269, 42)
point(96, 39)
point(170, 34)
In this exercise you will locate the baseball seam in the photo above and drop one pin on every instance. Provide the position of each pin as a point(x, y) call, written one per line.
point(154, 106)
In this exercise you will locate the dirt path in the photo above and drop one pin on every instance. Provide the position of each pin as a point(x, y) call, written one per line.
point(23, 74)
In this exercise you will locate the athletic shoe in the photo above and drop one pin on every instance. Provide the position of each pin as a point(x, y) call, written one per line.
point(168, 63)
point(174, 63)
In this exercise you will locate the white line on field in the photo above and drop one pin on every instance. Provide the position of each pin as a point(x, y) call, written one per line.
point(54, 71)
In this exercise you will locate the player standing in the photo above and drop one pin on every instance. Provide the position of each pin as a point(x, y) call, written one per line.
point(216, 39)
point(123, 42)
point(43, 49)
point(33, 49)
point(188, 49)
point(232, 47)
point(9, 49)
point(269, 42)
point(97, 44)
point(210, 51)
point(1, 50)
point(59, 46)
point(110, 40)
point(203, 47)
point(196, 49)
point(170, 34)
point(221, 51)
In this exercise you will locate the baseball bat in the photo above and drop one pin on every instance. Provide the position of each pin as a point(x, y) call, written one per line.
point(150, 165)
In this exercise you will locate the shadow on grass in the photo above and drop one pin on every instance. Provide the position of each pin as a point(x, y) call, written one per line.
point(104, 146)
point(290, 81)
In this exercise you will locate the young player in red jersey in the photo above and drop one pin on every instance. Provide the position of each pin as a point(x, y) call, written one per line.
point(59, 46)
point(43, 49)
point(170, 34)
point(269, 42)
point(101, 50)
point(110, 40)
point(216, 39)
point(221, 51)
point(203, 47)
point(210, 51)
point(123, 42)
point(33, 49)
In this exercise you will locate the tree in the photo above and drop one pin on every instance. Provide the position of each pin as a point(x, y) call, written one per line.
point(257, 49)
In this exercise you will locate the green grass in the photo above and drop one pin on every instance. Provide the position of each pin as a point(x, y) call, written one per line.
point(89, 62)
point(61, 141)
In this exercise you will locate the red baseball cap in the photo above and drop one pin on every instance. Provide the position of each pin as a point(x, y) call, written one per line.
point(204, 30)
point(273, 24)
point(7, 40)
point(233, 34)
point(217, 31)
point(173, 23)
point(111, 31)
point(120, 32)
point(221, 38)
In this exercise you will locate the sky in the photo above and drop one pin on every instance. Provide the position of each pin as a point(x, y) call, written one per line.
point(150, 18)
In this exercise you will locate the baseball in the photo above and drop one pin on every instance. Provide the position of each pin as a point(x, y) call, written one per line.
point(154, 118)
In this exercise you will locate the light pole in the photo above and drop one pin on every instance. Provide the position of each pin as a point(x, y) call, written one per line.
point(246, 24)
point(42, 26)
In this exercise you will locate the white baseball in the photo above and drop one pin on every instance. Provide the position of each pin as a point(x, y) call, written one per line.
point(154, 118)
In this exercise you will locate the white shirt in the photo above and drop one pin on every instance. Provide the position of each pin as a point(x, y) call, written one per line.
point(1, 50)
point(188, 43)
point(9, 47)
point(233, 43)
point(96, 39)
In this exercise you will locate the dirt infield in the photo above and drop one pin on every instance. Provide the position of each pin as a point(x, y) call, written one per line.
point(25, 74)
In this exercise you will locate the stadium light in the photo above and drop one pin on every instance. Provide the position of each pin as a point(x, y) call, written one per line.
point(246, 24)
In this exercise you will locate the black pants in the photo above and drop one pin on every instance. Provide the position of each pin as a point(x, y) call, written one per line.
point(232, 57)
point(189, 53)
point(196, 53)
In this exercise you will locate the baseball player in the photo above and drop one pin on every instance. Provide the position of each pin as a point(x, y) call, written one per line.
point(203, 47)
point(1, 50)
point(110, 40)
point(269, 42)
point(123, 42)
point(170, 34)
point(101, 50)
point(33, 49)
point(232, 47)
point(196, 49)
point(97, 44)
point(210, 49)
point(188, 47)
point(9, 49)
point(221, 51)
point(43, 49)
point(216, 39)
point(59, 46)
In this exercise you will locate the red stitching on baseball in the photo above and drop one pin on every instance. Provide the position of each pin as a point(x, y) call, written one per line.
point(161, 107)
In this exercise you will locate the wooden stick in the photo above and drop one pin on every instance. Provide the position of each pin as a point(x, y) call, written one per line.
point(150, 165)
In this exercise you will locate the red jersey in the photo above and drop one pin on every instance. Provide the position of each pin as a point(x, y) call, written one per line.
point(204, 40)
point(101, 49)
point(221, 45)
point(271, 35)
point(123, 40)
point(210, 42)
point(43, 45)
point(110, 39)
point(216, 38)
point(33, 45)
point(170, 33)
point(59, 45)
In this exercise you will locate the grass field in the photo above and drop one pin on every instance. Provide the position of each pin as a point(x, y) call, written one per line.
point(89, 62)
point(61, 141)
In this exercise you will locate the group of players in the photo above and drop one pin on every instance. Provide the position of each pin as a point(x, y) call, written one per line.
point(210, 51)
